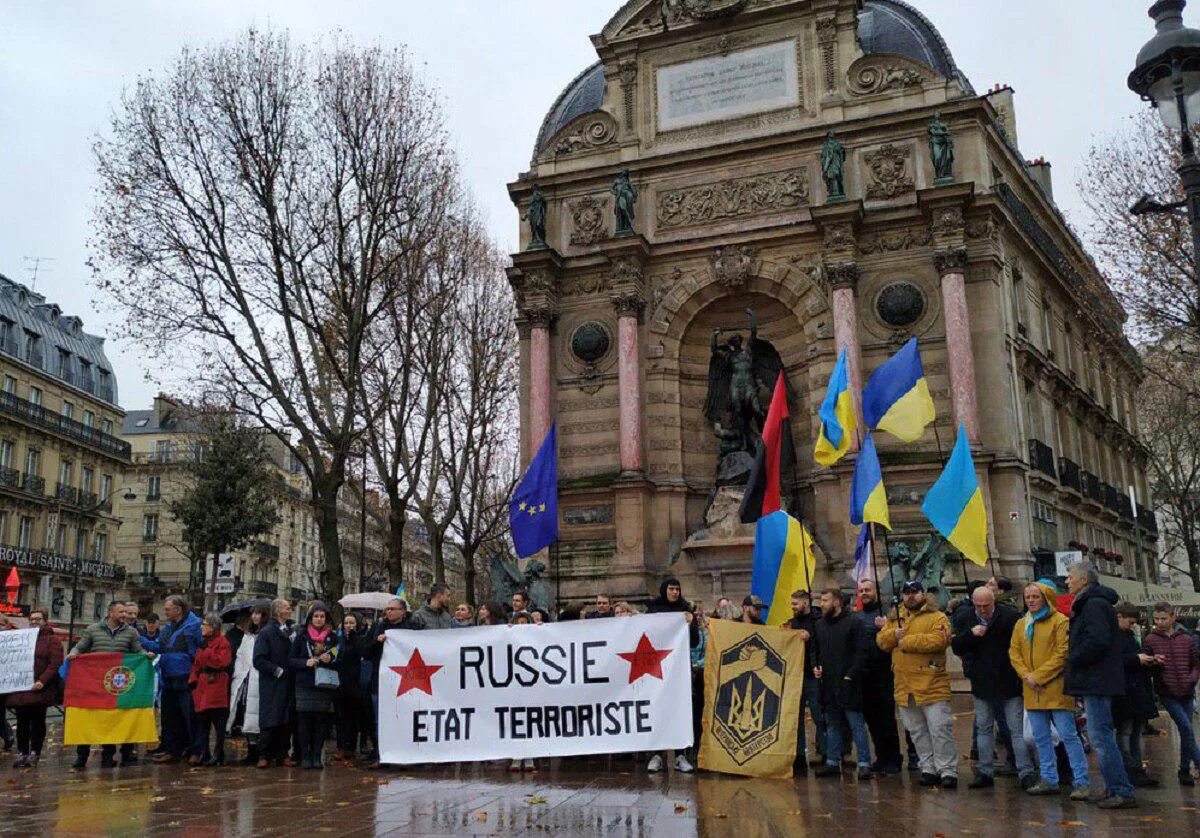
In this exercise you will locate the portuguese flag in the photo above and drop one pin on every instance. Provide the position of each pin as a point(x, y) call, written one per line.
point(109, 700)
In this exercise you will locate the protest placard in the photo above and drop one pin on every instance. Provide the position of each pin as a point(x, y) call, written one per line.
point(16, 660)
point(587, 687)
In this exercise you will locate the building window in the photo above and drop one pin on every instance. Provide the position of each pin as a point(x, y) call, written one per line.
point(100, 546)
point(86, 479)
point(25, 532)
point(1018, 300)
point(8, 342)
point(33, 461)
point(150, 528)
point(64, 472)
point(153, 487)
point(6, 454)
point(10, 385)
point(105, 487)
point(60, 539)
point(33, 349)
point(64, 365)
point(148, 564)
point(106, 426)
point(35, 395)
point(89, 419)
point(80, 542)
point(162, 450)
point(98, 606)
point(57, 600)
point(3, 526)
point(85, 375)
point(68, 410)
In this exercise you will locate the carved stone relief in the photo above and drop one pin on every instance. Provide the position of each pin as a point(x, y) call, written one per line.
point(587, 220)
point(827, 38)
point(871, 75)
point(588, 133)
point(890, 172)
point(732, 266)
point(896, 242)
point(739, 197)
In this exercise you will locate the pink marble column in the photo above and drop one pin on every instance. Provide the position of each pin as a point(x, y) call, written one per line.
point(958, 342)
point(630, 384)
point(845, 333)
point(539, 382)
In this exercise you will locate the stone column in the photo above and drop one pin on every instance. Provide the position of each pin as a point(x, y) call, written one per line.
point(843, 280)
point(629, 307)
point(539, 321)
point(951, 266)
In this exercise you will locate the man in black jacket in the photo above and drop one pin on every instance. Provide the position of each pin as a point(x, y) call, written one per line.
point(839, 667)
point(670, 600)
point(1132, 710)
point(880, 711)
point(1096, 673)
point(982, 639)
point(804, 620)
point(272, 661)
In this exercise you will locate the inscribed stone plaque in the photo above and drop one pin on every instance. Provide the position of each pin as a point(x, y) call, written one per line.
point(727, 86)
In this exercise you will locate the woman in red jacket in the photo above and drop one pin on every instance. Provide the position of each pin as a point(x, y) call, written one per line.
point(210, 689)
point(31, 705)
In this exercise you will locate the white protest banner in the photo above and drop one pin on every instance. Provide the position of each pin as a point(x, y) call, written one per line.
point(585, 687)
point(16, 660)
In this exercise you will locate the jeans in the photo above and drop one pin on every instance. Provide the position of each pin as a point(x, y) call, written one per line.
point(1180, 711)
point(811, 698)
point(1064, 723)
point(931, 727)
point(31, 728)
point(833, 734)
point(1129, 739)
point(178, 723)
point(1104, 740)
point(986, 719)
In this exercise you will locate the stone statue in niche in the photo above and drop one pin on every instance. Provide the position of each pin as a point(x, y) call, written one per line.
point(927, 567)
point(535, 214)
point(833, 167)
point(741, 377)
point(507, 579)
point(626, 199)
point(941, 150)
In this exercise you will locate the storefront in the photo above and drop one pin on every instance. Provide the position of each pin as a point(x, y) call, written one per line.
point(1185, 600)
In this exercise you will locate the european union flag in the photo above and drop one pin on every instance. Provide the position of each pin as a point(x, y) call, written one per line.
point(533, 510)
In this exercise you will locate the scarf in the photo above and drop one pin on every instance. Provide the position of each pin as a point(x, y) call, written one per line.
point(1031, 621)
point(318, 636)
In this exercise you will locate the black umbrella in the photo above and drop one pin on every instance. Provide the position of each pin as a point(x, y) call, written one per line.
point(231, 610)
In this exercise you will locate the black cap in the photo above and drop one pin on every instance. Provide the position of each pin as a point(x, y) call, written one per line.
point(913, 586)
point(753, 600)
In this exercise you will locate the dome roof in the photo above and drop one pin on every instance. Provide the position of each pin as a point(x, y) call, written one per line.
point(884, 26)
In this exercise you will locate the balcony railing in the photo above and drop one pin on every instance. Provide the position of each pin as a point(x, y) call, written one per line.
point(1112, 498)
point(297, 594)
point(1041, 457)
point(33, 484)
point(34, 414)
point(1091, 487)
point(269, 550)
point(10, 477)
point(257, 587)
point(1125, 507)
point(66, 494)
point(150, 536)
point(160, 581)
point(1146, 520)
point(1068, 474)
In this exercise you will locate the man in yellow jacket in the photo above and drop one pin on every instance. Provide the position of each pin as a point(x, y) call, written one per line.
point(917, 643)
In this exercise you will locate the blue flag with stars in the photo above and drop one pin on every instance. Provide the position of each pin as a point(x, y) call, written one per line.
point(533, 510)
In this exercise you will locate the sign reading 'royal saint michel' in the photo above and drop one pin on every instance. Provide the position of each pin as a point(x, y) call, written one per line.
point(602, 686)
point(728, 86)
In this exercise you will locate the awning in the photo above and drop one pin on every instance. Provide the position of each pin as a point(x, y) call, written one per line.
point(1185, 600)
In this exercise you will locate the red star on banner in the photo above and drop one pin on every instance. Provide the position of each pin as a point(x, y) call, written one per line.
point(415, 675)
point(645, 659)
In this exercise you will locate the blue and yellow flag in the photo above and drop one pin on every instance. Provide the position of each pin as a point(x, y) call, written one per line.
point(838, 422)
point(868, 499)
point(783, 562)
point(533, 509)
point(955, 504)
point(896, 398)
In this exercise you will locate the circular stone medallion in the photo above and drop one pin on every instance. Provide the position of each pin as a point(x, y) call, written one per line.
point(590, 342)
point(900, 304)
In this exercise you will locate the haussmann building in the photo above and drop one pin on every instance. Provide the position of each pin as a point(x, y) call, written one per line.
point(721, 112)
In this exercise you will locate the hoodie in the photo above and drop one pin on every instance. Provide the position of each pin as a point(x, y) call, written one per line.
point(1094, 663)
point(662, 605)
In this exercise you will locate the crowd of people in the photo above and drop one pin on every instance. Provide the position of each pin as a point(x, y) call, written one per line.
point(1053, 673)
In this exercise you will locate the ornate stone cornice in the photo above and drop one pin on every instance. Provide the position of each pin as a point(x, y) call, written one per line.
point(539, 317)
point(950, 260)
point(628, 304)
point(841, 275)
point(626, 270)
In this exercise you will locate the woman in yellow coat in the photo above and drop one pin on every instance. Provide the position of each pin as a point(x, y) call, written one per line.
point(1039, 655)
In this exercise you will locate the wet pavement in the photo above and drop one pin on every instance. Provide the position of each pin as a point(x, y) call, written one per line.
point(597, 796)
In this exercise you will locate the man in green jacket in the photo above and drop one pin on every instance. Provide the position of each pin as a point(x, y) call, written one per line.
point(112, 634)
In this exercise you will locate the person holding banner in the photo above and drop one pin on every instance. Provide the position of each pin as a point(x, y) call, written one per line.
point(30, 706)
point(670, 600)
point(6, 732)
point(178, 642)
point(804, 620)
point(110, 635)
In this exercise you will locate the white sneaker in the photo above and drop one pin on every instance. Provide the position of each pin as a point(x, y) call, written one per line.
point(682, 765)
point(515, 766)
point(655, 764)
point(529, 766)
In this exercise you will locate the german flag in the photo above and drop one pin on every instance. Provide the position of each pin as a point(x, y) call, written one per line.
point(109, 700)
point(774, 454)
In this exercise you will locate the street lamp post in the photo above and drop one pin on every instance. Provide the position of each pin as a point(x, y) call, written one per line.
point(1168, 75)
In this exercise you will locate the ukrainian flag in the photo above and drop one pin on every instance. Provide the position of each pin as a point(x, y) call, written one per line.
point(783, 562)
point(897, 399)
point(955, 504)
point(837, 416)
point(868, 499)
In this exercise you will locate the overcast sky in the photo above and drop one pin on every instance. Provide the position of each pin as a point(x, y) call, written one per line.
point(499, 64)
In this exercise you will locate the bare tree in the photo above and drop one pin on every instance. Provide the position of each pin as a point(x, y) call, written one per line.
point(1148, 258)
point(255, 205)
